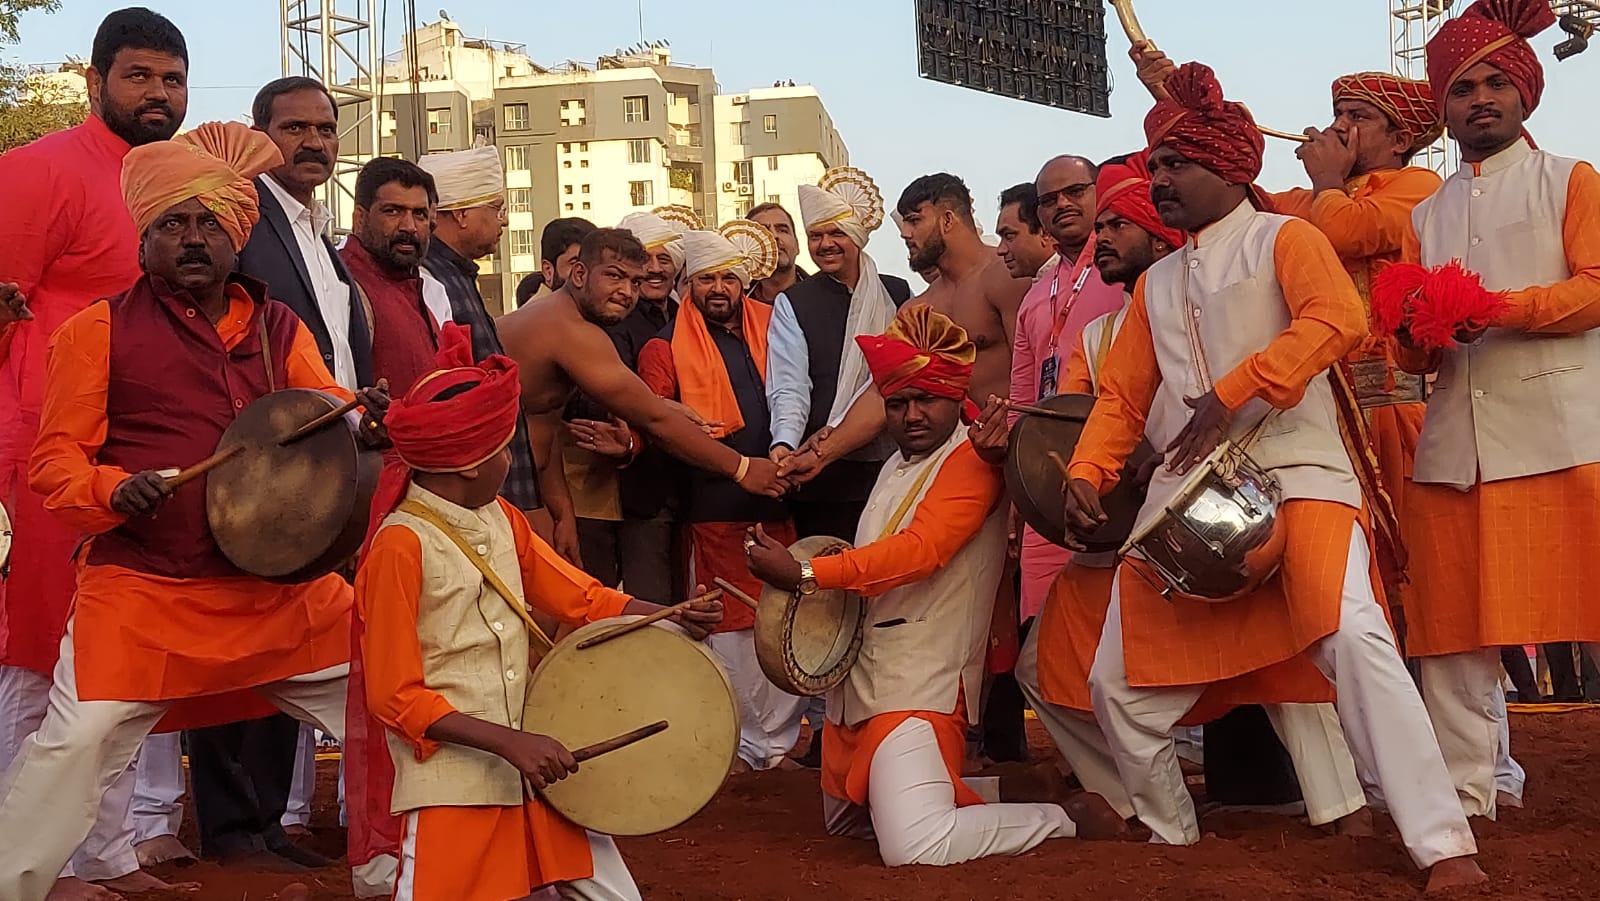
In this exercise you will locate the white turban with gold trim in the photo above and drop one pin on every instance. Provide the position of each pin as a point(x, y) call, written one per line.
point(656, 233)
point(466, 178)
point(846, 197)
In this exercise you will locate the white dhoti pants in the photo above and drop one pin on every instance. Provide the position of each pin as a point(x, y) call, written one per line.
point(159, 787)
point(769, 717)
point(911, 809)
point(298, 811)
point(1468, 711)
point(107, 851)
point(1075, 732)
point(1322, 761)
point(49, 794)
point(1378, 705)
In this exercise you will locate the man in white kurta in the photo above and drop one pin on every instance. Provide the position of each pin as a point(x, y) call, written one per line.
point(928, 554)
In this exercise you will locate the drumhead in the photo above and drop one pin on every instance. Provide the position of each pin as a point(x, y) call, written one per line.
point(580, 697)
point(806, 644)
point(1034, 483)
point(1186, 487)
point(5, 535)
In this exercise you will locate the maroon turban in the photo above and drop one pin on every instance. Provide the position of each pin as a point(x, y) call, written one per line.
point(1197, 122)
point(1494, 32)
point(463, 430)
point(1124, 188)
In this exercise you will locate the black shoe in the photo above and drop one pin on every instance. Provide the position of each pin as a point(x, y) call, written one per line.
point(305, 857)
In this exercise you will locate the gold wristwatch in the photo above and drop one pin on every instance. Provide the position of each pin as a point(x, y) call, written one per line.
point(808, 578)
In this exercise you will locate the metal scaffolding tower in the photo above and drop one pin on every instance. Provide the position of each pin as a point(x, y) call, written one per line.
point(336, 42)
point(1411, 24)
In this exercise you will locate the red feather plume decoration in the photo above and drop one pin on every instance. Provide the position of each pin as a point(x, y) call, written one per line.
point(1433, 305)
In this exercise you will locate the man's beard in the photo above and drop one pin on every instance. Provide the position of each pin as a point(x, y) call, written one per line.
point(134, 130)
point(382, 250)
point(929, 255)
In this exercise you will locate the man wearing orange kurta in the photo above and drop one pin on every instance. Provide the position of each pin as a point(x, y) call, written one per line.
point(434, 625)
point(161, 618)
point(713, 359)
point(1241, 325)
point(928, 555)
point(1503, 521)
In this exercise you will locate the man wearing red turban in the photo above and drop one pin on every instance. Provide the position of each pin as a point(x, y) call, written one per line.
point(436, 618)
point(1506, 502)
point(1229, 340)
point(893, 748)
point(161, 619)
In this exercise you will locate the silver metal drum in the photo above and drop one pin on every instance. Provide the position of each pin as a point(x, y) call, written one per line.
point(1219, 538)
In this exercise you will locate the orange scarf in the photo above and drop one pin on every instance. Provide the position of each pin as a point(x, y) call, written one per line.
point(703, 383)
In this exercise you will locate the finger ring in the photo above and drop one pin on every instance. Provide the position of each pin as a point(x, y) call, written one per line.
point(372, 423)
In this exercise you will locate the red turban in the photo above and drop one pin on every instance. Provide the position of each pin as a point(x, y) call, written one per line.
point(1494, 32)
point(1125, 189)
point(452, 434)
point(1408, 103)
point(1197, 122)
point(922, 349)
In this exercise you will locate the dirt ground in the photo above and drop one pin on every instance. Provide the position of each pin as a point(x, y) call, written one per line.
point(762, 840)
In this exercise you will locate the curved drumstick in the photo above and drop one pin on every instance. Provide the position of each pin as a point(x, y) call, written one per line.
point(638, 624)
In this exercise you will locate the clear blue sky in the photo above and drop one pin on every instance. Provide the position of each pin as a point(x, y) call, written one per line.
point(861, 56)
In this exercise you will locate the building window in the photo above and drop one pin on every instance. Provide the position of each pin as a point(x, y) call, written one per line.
point(743, 172)
point(585, 189)
point(744, 209)
point(438, 121)
point(569, 207)
point(566, 147)
point(583, 164)
point(573, 113)
point(583, 146)
point(521, 241)
point(772, 164)
point(517, 158)
point(566, 164)
point(519, 200)
point(517, 117)
point(642, 193)
point(636, 109)
point(769, 124)
point(772, 198)
point(586, 204)
point(639, 150)
point(566, 189)
point(739, 132)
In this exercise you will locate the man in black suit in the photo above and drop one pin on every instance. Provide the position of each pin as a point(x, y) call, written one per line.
point(244, 773)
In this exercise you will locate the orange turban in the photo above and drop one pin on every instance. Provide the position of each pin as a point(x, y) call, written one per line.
point(1125, 189)
point(1494, 32)
point(1198, 123)
point(1408, 103)
point(922, 349)
point(214, 163)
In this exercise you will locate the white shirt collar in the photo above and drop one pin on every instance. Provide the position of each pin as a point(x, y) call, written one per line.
point(294, 209)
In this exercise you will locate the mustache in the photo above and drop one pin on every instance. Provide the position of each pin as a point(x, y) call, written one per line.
point(405, 238)
point(196, 256)
point(1157, 195)
point(312, 156)
point(719, 295)
point(155, 106)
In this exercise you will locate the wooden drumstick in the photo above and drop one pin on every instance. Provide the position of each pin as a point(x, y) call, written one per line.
point(1055, 457)
point(1046, 412)
point(638, 624)
point(320, 421)
point(191, 473)
point(590, 752)
point(738, 595)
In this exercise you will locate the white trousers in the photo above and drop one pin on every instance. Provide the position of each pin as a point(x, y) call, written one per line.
point(611, 880)
point(769, 717)
point(1322, 760)
point(911, 809)
point(159, 788)
point(298, 811)
point(1075, 732)
point(49, 794)
point(1468, 711)
point(1378, 705)
point(107, 851)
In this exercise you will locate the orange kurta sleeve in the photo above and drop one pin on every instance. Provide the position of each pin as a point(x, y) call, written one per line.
point(963, 494)
point(388, 598)
point(1293, 202)
point(1076, 378)
point(1571, 306)
point(1327, 321)
point(1128, 385)
point(658, 369)
point(305, 366)
point(72, 426)
point(1375, 219)
point(553, 585)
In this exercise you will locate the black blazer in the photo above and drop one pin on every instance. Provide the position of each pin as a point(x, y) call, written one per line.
point(273, 255)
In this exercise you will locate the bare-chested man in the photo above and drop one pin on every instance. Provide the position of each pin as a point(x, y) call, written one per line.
point(561, 346)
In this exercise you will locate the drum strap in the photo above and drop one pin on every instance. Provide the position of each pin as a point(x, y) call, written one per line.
point(500, 587)
point(266, 353)
point(906, 503)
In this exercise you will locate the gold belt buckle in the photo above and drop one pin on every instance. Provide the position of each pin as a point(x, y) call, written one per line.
point(1372, 384)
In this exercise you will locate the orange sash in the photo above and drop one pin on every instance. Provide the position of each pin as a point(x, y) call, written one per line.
point(703, 383)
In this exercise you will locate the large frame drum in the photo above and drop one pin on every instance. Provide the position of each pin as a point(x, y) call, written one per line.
point(5, 537)
point(806, 644)
point(1034, 480)
point(580, 697)
point(291, 512)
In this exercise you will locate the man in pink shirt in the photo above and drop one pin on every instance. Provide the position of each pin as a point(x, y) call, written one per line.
point(1067, 295)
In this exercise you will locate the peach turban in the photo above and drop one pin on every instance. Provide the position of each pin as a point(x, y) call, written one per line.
point(213, 163)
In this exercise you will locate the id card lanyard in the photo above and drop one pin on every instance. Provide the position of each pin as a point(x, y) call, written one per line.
point(1049, 373)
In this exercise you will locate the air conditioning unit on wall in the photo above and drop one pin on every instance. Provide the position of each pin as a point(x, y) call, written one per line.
point(746, 190)
point(727, 186)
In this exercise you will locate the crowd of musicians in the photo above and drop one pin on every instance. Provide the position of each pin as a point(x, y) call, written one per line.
point(672, 404)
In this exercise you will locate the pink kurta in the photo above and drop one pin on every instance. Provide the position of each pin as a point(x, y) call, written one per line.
point(66, 240)
point(1041, 560)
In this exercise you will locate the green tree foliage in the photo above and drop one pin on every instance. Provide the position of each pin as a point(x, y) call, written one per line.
point(30, 107)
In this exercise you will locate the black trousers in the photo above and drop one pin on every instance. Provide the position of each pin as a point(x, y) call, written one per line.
point(1245, 762)
point(1004, 731)
point(241, 775)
